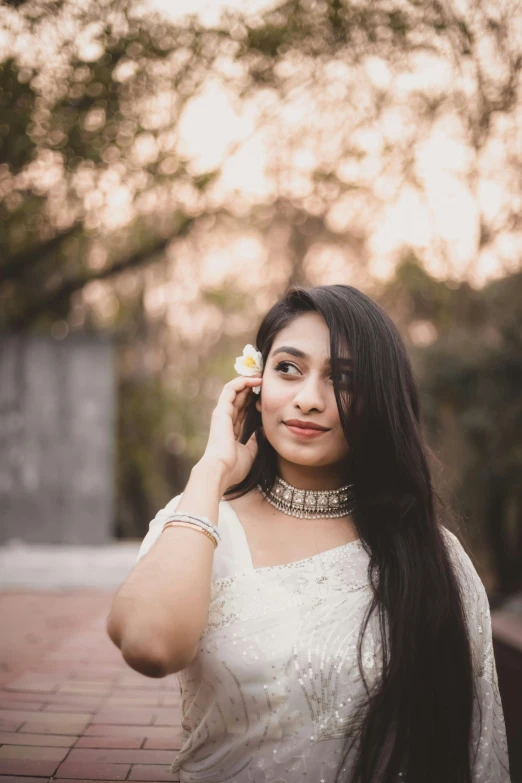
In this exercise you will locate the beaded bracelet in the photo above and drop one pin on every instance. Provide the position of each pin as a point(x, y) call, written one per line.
point(173, 523)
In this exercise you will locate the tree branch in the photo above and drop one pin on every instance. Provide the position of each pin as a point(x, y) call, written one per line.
point(17, 265)
point(51, 303)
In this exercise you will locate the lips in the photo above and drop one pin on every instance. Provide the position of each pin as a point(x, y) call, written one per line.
point(305, 425)
point(304, 433)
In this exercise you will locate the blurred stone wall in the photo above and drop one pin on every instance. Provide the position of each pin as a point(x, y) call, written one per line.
point(57, 421)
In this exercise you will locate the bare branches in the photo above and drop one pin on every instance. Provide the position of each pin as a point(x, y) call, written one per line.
point(55, 300)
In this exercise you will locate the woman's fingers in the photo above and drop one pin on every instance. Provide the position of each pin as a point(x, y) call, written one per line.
point(227, 398)
point(240, 405)
point(241, 412)
point(225, 422)
point(243, 394)
point(233, 397)
point(237, 385)
point(240, 401)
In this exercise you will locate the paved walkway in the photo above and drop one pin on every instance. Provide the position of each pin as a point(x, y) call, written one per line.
point(71, 710)
point(50, 567)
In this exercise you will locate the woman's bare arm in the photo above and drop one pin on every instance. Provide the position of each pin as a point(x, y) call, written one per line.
point(160, 611)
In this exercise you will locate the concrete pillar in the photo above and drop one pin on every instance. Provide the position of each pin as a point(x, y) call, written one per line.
point(57, 422)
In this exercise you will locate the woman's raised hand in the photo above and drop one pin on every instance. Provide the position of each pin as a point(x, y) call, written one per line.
point(223, 446)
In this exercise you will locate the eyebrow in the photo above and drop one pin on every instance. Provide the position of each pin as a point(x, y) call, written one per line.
point(302, 355)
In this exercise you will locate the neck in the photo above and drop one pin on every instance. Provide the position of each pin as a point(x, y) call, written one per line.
point(312, 477)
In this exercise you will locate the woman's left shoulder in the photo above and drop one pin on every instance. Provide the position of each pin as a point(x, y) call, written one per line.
point(462, 562)
point(455, 547)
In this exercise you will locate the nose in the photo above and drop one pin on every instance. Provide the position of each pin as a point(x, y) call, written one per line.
point(310, 394)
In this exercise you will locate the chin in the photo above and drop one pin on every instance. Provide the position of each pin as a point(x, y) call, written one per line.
point(307, 456)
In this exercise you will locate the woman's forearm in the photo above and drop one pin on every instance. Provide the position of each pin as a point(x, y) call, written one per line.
point(161, 609)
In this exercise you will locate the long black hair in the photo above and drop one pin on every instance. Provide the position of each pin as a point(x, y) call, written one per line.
point(417, 719)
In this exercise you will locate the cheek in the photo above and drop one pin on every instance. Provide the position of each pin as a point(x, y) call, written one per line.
point(274, 399)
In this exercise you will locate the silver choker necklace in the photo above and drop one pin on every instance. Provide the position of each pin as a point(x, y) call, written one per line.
point(310, 503)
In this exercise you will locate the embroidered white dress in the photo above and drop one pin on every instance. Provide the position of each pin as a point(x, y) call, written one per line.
point(272, 686)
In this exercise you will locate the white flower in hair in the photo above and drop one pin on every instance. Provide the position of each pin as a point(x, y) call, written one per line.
point(250, 363)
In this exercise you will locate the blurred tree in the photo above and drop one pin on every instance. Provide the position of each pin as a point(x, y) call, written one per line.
point(90, 135)
point(467, 349)
point(78, 130)
point(106, 216)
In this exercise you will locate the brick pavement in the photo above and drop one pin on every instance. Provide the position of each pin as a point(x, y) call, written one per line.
point(70, 708)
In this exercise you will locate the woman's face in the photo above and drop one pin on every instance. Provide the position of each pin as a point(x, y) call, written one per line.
point(301, 387)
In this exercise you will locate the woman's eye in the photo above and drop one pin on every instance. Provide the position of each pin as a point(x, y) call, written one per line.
point(284, 365)
point(344, 379)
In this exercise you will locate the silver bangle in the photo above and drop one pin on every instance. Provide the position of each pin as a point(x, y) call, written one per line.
point(202, 522)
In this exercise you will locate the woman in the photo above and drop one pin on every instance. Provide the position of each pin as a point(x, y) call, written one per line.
point(339, 632)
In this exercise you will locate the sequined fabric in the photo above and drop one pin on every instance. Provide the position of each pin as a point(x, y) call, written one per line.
point(489, 751)
point(275, 679)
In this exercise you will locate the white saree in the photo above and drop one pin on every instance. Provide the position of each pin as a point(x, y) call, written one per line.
point(275, 678)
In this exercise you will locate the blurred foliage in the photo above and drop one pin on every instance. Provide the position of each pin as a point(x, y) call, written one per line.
point(79, 131)
point(100, 113)
point(146, 458)
point(467, 350)
point(100, 206)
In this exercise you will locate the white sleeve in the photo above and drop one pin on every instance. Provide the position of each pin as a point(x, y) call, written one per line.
point(156, 526)
point(489, 752)
point(232, 553)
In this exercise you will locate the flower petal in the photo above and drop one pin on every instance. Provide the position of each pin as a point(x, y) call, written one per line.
point(249, 350)
point(243, 369)
point(250, 363)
